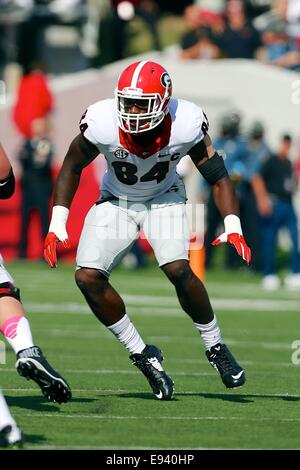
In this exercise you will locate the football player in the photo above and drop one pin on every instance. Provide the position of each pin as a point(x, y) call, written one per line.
point(143, 133)
point(31, 362)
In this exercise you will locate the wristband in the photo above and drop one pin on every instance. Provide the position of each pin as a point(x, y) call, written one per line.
point(60, 213)
point(232, 224)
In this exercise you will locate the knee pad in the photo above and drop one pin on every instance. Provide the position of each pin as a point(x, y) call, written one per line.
point(7, 289)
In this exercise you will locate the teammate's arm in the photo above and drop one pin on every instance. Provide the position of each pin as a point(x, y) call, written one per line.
point(81, 152)
point(7, 179)
point(211, 166)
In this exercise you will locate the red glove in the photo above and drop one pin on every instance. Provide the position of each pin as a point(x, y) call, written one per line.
point(50, 248)
point(57, 233)
point(233, 235)
point(238, 242)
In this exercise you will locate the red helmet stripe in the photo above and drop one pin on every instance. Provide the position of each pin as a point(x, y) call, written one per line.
point(136, 73)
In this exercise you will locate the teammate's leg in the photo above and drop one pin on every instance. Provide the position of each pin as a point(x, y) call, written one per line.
point(10, 434)
point(31, 362)
point(102, 245)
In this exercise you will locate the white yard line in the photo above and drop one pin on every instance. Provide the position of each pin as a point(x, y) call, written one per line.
point(118, 372)
point(147, 304)
point(245, 363)
point(156, 418)
point(179, 392)
point(129, 372)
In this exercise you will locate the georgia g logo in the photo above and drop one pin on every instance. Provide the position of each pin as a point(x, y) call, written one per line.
point(166, 80)
point(121, 153)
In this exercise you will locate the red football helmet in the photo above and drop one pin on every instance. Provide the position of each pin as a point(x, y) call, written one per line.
point(148, 86)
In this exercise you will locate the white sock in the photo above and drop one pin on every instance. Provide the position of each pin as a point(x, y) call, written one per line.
point(5, 416)
point(210, 333)
point(127, 334)
point(17, 332)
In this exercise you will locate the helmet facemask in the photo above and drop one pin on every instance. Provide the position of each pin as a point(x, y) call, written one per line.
point(154, 109)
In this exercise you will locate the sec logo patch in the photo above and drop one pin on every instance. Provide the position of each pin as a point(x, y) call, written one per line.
point(121, 153)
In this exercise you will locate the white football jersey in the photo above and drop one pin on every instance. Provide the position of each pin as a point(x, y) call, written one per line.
point(151, 173)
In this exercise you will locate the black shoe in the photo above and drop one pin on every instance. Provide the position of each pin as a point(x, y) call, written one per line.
point(222, 360)
point(11, 436)
point(32, 364)
point(149, 362)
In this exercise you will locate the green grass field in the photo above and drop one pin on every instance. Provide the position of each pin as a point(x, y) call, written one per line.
point(112, 406)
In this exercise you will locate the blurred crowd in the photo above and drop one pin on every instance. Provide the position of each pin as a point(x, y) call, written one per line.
point(268, 31)
point(71, 34)
point(75, 34)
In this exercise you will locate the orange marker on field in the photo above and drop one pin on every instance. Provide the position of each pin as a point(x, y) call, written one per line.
point(197, 257)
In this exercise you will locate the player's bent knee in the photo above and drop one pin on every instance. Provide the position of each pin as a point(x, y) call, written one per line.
point(178, 272)
point(89, 279)
point(7, 289)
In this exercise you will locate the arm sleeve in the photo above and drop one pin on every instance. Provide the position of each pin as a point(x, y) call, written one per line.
point(7, 186)
point(213, 170)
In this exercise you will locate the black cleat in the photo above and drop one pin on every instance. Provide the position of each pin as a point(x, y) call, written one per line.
point(11, 437)
point(149, 362)
point(222, 360)
point(32, 364)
